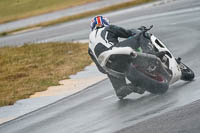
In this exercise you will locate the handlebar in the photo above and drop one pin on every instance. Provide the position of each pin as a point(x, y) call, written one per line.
point(144, 30)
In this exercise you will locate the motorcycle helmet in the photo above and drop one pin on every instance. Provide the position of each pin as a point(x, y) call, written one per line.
point(98, 22)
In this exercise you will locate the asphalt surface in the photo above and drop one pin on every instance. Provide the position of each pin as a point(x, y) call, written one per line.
point(186, 119)
point(96, 109)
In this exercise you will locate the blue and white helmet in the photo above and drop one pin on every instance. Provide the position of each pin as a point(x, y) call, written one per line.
point(99, 21)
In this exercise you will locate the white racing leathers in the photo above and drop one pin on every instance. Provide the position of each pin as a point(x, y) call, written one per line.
point(103, 44)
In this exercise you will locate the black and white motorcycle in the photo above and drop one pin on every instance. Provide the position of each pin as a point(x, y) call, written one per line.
point(153, 66)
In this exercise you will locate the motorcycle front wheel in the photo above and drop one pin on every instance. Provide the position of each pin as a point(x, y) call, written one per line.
point(187, 73)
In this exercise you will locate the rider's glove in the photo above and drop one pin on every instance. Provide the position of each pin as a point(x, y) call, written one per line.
point(134, 31)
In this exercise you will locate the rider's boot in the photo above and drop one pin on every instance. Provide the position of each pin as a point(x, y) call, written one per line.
point(126, 90)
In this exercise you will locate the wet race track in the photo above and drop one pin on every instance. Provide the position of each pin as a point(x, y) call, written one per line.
point(96, 109)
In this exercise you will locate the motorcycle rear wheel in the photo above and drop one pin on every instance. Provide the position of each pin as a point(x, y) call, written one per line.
point(154, 85)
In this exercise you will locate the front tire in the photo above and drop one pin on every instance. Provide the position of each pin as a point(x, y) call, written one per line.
point(187, 73)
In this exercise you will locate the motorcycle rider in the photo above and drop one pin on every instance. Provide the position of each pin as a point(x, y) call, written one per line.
point(112, 56)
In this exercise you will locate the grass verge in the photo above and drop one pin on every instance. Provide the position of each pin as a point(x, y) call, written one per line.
point(34, 67)
point(82, 15)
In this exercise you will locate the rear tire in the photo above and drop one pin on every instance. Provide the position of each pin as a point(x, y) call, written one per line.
point(187, 73)
point(140, 79)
